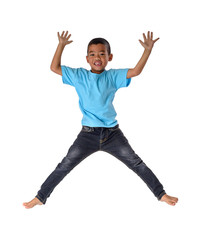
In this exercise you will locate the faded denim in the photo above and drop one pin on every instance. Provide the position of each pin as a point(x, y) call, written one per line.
point(91, 140)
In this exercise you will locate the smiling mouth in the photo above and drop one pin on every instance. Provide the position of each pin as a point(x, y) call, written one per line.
point(98, 63)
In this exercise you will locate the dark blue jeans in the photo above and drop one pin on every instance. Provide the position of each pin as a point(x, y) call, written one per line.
point(91, 140)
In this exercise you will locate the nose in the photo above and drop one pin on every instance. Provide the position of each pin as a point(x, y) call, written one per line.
point(97, 57)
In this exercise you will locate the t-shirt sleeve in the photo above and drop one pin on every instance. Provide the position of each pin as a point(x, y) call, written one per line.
point(69, 75)
point(119, 78)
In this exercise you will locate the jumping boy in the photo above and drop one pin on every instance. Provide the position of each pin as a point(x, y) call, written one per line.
point(100, 130)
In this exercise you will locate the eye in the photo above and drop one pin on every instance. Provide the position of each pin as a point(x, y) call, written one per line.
point(92, 54)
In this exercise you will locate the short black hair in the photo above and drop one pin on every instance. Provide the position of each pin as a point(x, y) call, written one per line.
point(100, 41)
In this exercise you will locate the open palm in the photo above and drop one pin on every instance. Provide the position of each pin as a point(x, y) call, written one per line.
point(148, 41)
point(64, 38)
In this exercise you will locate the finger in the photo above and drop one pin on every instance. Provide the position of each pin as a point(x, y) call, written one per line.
point(144, 37)
point(62, 34)
point(148, 35)
point(68, 37)
point(69, 42)
point(142, 43)
point(156, 40)
point(66, 34)
point(58, 35)
point(151, 35)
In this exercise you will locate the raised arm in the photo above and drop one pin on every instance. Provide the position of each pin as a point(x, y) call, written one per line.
point(56, 62)
point(148, 45)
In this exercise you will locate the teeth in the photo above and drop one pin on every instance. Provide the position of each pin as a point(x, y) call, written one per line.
point(97, 64)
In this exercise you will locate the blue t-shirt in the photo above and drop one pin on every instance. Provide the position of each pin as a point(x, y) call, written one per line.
point(96, 93)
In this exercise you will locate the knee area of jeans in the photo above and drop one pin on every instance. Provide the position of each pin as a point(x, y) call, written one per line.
point(126, 152)
point(73, 152)
point(139, 163)
point(66, 164)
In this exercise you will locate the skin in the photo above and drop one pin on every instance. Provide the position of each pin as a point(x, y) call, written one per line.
point(148, 45)
point(166, 198)
point(169, 200)
point(32, 203)
point(98, 59)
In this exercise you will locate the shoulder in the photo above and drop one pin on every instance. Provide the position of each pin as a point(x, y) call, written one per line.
point(117, 72)
point(119, 77)
point(111, 72)
point(74, 71)
point(72, 75)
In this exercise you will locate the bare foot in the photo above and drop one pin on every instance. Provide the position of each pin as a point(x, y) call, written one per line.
point(169, 200)
point(32, 203)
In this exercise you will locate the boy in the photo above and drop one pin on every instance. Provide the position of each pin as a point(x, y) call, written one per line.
point(100, 130)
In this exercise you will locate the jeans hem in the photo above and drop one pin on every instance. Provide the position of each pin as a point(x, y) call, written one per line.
point(161, 195)
point(40, 199)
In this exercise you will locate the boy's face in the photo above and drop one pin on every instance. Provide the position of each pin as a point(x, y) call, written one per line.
point(98, 57)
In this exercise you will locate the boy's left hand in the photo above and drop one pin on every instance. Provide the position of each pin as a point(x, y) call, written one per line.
point(148, 42)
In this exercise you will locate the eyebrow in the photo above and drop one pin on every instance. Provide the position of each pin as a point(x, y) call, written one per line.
point(94, 51)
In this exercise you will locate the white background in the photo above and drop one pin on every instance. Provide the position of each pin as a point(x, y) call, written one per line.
point(163, 113)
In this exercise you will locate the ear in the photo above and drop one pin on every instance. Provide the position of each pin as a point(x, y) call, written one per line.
point(87, 59)
point(110, 57)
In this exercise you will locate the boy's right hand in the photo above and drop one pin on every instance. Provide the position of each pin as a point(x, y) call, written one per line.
point(64, 38)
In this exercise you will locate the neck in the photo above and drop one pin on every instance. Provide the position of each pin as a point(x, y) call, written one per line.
point(97, 72)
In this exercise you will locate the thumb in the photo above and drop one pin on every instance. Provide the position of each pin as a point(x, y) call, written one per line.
point(142, 43)
point(156, 40)
point(68, 42)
